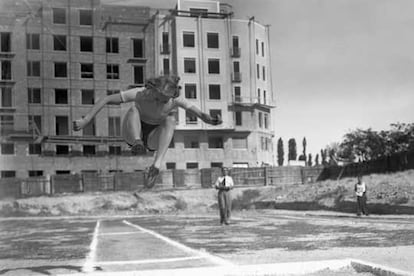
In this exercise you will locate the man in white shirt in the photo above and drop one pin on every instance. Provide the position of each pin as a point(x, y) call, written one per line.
point(361, 193)
point(224, 184)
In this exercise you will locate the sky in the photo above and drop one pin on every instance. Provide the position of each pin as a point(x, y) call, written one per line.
point(337, 65)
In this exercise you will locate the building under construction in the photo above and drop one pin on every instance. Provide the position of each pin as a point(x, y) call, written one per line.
point(59, 57)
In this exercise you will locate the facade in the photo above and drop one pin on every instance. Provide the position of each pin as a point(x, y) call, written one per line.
point(59, 57)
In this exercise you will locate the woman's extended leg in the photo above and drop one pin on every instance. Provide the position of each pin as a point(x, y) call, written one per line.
point(131, 131)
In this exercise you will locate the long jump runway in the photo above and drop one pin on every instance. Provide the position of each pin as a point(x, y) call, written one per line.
point(121, 245)
point(259, 242)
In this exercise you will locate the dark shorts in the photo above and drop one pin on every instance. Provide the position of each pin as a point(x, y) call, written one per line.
point(146, 129)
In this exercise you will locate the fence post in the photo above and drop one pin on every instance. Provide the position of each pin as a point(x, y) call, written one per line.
point(265, 176)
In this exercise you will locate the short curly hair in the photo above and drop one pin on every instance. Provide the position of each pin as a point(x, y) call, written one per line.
point(167, 85)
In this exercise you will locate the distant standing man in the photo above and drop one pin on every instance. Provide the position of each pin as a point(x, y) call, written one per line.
point(361, 194)
point(224, 184)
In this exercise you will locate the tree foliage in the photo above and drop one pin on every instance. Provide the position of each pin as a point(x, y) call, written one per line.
point(292, 154)
point(367, 144)
point(280, 152)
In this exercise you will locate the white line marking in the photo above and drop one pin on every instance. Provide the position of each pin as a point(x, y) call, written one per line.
point(150, 261)
point(88, 266)
point(118, 233)
point(187, 249)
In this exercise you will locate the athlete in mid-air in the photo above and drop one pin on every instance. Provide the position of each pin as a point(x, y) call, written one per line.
point(150, 123)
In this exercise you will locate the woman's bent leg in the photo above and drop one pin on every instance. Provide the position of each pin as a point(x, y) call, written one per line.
point(131, 126)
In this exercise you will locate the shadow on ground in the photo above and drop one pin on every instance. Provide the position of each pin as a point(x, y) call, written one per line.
point(45, 270)
point(342, 206)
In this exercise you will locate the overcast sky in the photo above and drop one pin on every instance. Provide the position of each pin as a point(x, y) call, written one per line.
point(337, 65)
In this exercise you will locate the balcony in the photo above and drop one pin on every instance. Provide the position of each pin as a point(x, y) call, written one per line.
point(165, 49)
point(235, 52)
point(236, 77)
point(255, 101)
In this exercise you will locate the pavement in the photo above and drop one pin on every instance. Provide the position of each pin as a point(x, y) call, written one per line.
point(256, 242)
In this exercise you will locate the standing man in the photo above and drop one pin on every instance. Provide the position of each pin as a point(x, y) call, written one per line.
point(224, 184)
point(361, 194)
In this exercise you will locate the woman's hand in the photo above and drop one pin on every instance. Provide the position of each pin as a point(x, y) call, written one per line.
point(79, 124)
point(212, 120)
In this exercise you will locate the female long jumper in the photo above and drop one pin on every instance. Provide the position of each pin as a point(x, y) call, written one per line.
point(150, 123)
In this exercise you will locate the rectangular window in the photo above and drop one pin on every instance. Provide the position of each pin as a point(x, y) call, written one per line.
point(237, 94)
point(8, 174)
point(35, 173)
point(239, 143)
point(235, 42)
point(170, 165)
point(5, 42)
point(35, 149)
point(35, 123)
point(33, 41)
point(6, 99)
point(61, 70)
point(7, 148)
point(259, 96)
point(138, 47)
point(257, 46)
point(192, 165)
point(112, 45)
point(263, 49)
point(216, 164)
point(190, 90)
point(89, 129)
point(5, 70)
point(61, 96)
point(239, 118)
point(115, 150)
point(59, 16)
point(215, 142)
point(89, 150)
point(191, 142)
point(258, 71)
point(266, 121)
point(260, 119)
point(62, 150)
point(86, 70)
point(214, 91)
point(33, 68)
point(88, 96)
point(190, 118)
point(64, 171)
point(215, 112)
point(264, 97)
point(166, 66)
point(114, 126)
point(6, 123)
point(112, 71)
point(213, 40)
point(139, 75)
point(188, 39)
point(214, 66)
point(86, 44)
point(189, 65)
point(165, 49)
point(59, 42)
point(85, 17)
point(62, 125)
point(264, 73)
